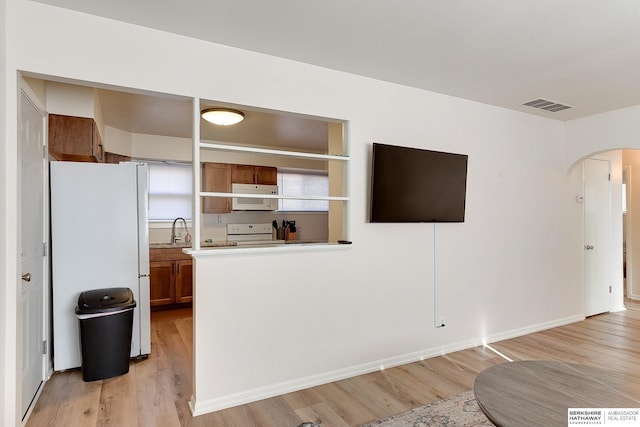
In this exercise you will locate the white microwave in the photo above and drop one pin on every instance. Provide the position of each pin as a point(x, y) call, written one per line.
point(254, 203)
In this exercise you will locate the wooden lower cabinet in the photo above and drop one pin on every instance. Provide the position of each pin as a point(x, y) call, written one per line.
point(184, 281)
point(162, 282)
point(171, 280)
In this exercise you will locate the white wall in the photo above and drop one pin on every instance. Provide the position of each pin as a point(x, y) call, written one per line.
point(631, 158)
point(117, 141)
point(70, 100)
point(7, 297)
point(299, 318)
point(619, 129)
point(602, 132)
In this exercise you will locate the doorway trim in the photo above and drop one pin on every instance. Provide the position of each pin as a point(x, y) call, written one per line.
point(615, 203)
point(627, 247)
point(23, 88)
point(597, 235)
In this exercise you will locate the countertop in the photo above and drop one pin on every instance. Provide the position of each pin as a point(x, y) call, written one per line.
point(188, 245)
point(225, 244)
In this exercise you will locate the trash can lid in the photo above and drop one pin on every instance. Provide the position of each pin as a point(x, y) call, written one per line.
point(105, 300)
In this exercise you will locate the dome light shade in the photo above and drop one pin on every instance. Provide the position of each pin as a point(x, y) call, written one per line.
point(222, 116)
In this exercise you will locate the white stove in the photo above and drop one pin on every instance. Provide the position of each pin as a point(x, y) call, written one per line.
point(251, 234)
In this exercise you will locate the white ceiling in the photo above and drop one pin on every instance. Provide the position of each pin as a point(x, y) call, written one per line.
point(581, 53)
point(171, 116)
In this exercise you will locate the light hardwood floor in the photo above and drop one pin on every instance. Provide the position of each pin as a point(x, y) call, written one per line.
point(156, 391)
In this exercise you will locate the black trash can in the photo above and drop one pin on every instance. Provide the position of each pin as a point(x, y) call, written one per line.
point(106, 322)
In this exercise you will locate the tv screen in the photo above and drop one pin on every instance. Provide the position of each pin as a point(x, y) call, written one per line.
point(416, 185)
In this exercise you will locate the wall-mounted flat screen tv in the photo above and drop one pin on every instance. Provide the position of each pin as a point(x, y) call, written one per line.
point(416, 185)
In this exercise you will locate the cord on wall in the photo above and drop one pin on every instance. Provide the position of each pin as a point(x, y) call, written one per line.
point(438, 322)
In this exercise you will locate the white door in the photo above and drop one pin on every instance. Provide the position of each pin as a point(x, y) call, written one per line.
point(597, 236)
point(32, 240)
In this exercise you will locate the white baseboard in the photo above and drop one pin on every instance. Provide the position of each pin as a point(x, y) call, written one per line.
point(534, 328)
point(618, 308)
point(200, 407)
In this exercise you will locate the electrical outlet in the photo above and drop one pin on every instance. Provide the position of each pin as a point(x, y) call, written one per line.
point(441, 321)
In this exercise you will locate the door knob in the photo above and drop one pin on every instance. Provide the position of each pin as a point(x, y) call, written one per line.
point(588, 247)
point(26, 277)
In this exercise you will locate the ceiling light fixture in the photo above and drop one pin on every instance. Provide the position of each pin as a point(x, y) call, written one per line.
point(222, 116)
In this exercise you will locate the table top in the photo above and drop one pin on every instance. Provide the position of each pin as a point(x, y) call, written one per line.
point(531, 392)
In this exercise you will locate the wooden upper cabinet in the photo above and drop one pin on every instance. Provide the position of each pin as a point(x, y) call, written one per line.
point(115, 158)
point(242, 174)
point(266, 175)
point(248, 174)
point(216, 177)
point(74, 139)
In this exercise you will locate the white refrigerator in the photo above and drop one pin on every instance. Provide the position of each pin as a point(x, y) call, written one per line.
point(99, 239)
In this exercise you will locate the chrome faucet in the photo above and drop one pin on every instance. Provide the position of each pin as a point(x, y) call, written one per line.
point(174, 239)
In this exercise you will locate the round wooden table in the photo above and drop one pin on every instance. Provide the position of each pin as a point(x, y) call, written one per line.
point(539, 393)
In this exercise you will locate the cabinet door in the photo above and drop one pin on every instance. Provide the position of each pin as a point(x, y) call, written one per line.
point(162, 282)
point(115, 158)
point(266, 175)
point(184, 281)
point(74, 139)
point(242, 174)
point(216, 177)
point(248, 174)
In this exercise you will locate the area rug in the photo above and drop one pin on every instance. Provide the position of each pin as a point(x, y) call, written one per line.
point(460, 410)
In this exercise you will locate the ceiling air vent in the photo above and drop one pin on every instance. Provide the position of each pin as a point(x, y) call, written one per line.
point(545, 104)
